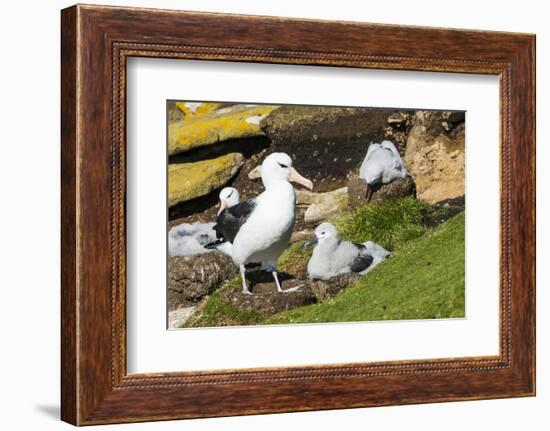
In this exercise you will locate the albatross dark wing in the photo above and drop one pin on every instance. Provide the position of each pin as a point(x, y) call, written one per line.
point(362, 261)
point(231, 219)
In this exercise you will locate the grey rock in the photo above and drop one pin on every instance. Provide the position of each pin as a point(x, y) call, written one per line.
point(435, 155)
point(357, 190)
point(321, 206)
point(324, 289)
point(454, 117)
point(399, 120)
point(178, 317)
point(305, 197)
point(301, 235)
point(190, 278)
point(256, 173)
point(267, 301)
point(329, 207)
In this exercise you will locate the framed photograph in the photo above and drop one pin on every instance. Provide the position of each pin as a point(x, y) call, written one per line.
point(228, 262)
point(261, 217)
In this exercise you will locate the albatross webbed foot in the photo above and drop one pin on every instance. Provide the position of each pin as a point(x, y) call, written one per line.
point(293, 289)
point(279, 288)
point(243, 277)
point(274, 273)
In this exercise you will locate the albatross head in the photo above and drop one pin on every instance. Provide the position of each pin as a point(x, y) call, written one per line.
point(229, 196)
point(278, 167)
point(325, 232)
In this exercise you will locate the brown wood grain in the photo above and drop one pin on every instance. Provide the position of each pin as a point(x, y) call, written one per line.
point(96, 41)
point(69, 367)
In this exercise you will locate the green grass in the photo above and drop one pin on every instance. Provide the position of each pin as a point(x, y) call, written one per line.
point(423, 279)
point(295, 258)
point(389, 223)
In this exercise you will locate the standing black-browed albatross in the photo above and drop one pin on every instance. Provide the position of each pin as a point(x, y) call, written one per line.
point(260, 228)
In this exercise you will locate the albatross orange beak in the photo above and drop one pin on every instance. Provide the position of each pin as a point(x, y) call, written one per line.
point(297, 178)
point(223, 205)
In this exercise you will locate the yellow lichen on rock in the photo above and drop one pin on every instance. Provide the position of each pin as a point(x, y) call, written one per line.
point(198, 109)
point(187, 181)
point(238, 121)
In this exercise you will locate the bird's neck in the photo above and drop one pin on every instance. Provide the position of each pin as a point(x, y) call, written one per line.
point(328, 244)
point(281, 194)
point(278, 186)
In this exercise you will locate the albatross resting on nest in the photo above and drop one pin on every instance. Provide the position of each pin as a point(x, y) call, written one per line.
point(189, 239)
point(259, 229)
point(332, 257)
point(229, 197)
point(381, 165)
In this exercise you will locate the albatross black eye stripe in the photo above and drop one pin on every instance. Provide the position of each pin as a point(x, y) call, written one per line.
point(282, 166)
point(230, 194)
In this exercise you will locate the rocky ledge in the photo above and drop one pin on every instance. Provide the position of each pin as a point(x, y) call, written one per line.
point(191, 278)
point(212, 145)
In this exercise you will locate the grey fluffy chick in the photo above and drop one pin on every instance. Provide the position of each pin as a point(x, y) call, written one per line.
point(332, 256)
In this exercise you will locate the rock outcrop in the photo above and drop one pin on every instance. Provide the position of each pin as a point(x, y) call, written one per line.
point(231, 122)
point(315, 206)
point(191, 278)
point(300, 235)
point(357, 190)
point(321, 206)
point(325, 143)
point(434, 155)
point(267, 301)
point(187, 181)
point(444, 210)
point(178, 317)
point(324, 289)
point(256, 173)
point(399, 125)
point(173, 113)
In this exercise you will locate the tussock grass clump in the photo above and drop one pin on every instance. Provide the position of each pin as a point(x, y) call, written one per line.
point(295, 258)
point(389, 223)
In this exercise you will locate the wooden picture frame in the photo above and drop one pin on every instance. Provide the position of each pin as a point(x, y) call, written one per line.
point(95, 43)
